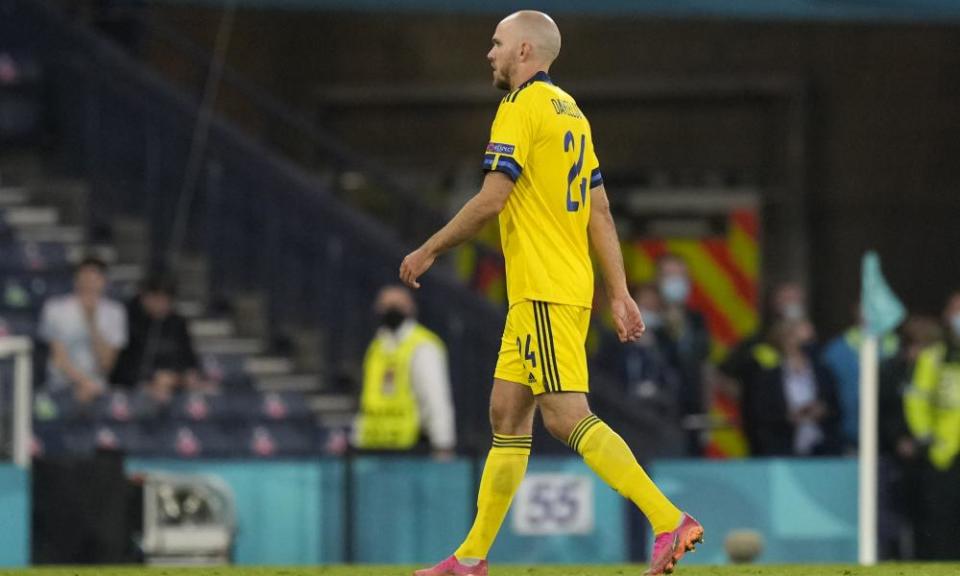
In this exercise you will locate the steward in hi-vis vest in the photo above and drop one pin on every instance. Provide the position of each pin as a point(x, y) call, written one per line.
point(406, 397)
point(389, 415)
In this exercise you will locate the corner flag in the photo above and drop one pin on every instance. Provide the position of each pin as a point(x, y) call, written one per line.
point(882, 310)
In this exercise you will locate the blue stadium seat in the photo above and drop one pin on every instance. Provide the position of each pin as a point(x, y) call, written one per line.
point(172, 439)
point(120, 436)
point(199, 407)
point(61, 406)
point(241, 425)
point(284, 406)
point(244, 406)
point(269, 406)
point(279, 439)
point(77, 438)
point(126, 406)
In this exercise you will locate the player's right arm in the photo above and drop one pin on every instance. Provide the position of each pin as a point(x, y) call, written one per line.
point(479, 210)
point(606, 244)
point(510, 141)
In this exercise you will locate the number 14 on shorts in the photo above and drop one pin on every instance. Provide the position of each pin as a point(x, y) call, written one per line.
point(528, 356)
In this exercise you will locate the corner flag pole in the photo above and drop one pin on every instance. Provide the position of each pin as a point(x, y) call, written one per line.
point(869, 392)
point(882, 312)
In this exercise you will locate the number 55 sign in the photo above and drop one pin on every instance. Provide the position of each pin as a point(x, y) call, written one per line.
point(554, 504)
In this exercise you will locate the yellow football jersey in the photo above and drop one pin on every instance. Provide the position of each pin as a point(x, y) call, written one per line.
point(542, 141)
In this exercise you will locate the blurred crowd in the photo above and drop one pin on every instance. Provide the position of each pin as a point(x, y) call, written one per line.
point(798, 395)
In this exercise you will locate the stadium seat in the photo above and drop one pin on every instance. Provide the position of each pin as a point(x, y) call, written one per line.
point(199, 407)
point(127, 406)
point(284, 406)
point(276, 439)
point(60, 405)
point(82, 438)
point(170, 439)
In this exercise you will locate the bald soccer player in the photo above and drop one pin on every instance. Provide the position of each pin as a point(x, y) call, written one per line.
point(543, 180)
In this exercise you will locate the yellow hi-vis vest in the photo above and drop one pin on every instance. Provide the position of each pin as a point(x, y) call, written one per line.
point(766, 356)
point(389, 417)
point(932, 405)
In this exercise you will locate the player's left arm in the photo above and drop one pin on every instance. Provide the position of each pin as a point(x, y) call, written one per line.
point(479, 210)
point(606, 244)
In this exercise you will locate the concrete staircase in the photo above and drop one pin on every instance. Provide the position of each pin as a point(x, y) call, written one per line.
point(40, 210)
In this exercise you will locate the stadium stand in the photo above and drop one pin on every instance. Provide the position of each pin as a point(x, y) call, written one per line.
point(265, 407)
point(276, 272)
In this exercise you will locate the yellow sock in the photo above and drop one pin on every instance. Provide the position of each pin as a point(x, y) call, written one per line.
point(610, 457)
point(502, 474)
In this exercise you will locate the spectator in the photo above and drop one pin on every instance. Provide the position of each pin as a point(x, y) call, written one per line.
point(932, 406)
point(85, 331)
point(896, 375)
point(650, 366)
point(686, 332)
point(794, 407)
point(788, 301)
point(746, 361)
point(842, 357)
point(406, 399)
point(159, 352)
point(650, 377)
point(900, 462)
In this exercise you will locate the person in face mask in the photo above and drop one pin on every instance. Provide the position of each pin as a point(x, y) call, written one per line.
point(406, 403)
point(740, 370)
point(932, 409)
point(652, 374)
point(789, 302)
point(901, 455)
point(687, 336)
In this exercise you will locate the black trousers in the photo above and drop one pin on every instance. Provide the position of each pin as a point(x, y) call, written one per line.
point(938, 529)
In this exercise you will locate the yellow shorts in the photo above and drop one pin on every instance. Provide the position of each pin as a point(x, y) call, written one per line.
point(543, 347)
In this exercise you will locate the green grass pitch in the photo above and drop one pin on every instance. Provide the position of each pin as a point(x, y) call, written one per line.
point(506, 570)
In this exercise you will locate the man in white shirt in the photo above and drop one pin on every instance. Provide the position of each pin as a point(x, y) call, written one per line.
point(406, 388)
point(85, 331)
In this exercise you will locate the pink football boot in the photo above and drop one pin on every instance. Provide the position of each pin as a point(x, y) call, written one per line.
point(452, 567)
point(670, 547)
